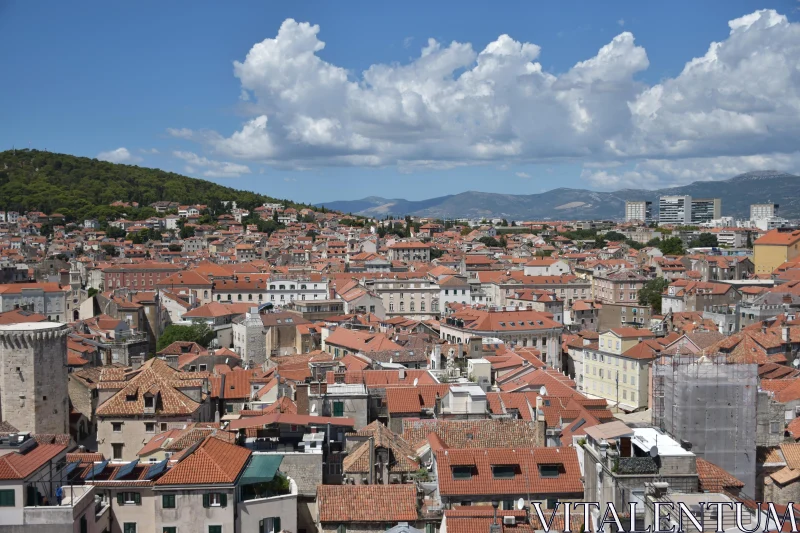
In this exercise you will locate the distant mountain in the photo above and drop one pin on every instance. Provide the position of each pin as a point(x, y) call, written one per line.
point(737, 194)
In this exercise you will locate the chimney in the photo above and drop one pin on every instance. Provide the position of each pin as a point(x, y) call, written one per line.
point(402, 373)
point(785, 334)
point(437, 405)
point(764, 328)
point(301, 398)
point(371, 460)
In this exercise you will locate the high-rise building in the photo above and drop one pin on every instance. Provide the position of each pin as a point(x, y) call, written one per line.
point(706, 210)
point(33, 377)
point(638, 211)
point(759, 211)
point(675, 210)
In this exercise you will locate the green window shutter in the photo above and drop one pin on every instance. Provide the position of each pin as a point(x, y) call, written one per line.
point(223, 500)
point(120, 498)
point(214, 529)
point(137, 498)
point(338, 408)
point(276, 524)
point(205, 502)
point(7, 498)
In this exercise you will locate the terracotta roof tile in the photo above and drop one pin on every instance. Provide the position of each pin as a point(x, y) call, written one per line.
point(213, 461)
point(367, 503)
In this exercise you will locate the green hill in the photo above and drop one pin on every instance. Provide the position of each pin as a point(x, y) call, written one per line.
point(79, 187)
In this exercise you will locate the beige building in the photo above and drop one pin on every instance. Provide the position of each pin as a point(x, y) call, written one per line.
point(416, 298)
point(618, 370)
point(619, 287)
point(135, 405)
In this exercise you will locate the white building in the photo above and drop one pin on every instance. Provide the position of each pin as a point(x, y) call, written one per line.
point(763, 211)
point(640, 211)
point(284, 289)
point(48, 299)
point(675, 210)
point(454, 289)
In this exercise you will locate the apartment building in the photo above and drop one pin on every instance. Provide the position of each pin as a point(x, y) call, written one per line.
point(516, 327)
point(413, 297)
point(48, 299)
point(410, 251)
point(283, 289)
point(638, 211)
point(618, 287)
point(775, 248)
point(617, 370)
point(705, 210)
point(138, 276)
point(675, 210)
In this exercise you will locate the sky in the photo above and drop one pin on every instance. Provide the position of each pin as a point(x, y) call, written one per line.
point(323, 101)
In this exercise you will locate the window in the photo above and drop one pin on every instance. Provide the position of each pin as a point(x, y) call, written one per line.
point(338, 408)
point(129, 498)
point(149, 427)
point(341, 529)
point(117, 451)
point(229, 408)
point(773, 427)
point(129, 527)
point(504, 471)
point(270, 525)
point(549, 470)
point(116, 427)
point(168, 501)
point(170, 529)
point(7, 498)
point(462, 472)
point(214, 529)
point(84, 525)
point(215, 499)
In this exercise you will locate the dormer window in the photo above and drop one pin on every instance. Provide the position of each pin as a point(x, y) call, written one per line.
point(549, 471)
point(149, 402)
point(462, 472)
point(504, 471)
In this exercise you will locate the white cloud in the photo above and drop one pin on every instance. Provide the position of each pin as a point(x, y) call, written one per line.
point(210, 168)
point(407, 42)
point(120, 155)
point(455, 105)
point(523, 175)
point(149, 150)
point(621, 22)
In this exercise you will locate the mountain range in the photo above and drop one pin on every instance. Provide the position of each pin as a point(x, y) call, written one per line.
point(737, 194)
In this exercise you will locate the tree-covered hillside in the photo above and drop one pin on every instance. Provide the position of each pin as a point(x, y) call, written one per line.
point(79, 187)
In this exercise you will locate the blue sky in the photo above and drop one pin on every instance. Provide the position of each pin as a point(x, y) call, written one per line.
point(154, 83)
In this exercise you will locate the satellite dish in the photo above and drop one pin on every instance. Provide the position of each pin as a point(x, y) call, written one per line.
point(416, 380)
point(520, 504)
point(542, 391)
point(654, 451)
point(313, 408)
point(796, 363)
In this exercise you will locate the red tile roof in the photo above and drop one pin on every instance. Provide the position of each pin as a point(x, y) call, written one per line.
point(213, 462)
point(527, 478)
point(367, 503)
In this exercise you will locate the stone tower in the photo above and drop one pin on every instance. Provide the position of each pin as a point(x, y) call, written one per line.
point(33, 377)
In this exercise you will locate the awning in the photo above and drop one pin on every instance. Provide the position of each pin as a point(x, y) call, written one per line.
point(262, 468)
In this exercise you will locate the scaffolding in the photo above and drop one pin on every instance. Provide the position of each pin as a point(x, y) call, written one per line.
point(710, 404)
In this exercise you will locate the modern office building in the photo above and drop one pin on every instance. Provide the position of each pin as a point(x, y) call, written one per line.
point(759, 211)
point(706, 210)
point(675, 210)
point(638, 211)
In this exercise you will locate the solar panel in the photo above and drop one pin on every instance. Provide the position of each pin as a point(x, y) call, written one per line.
point(97, 469)
point(157, 469)
point(70, 467)
point(127, 469)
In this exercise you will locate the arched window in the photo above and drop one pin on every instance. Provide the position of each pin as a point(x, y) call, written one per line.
point(249, 297)
point(205, 294)
point(219, 297)
point(422, 306)
point(239, 298)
